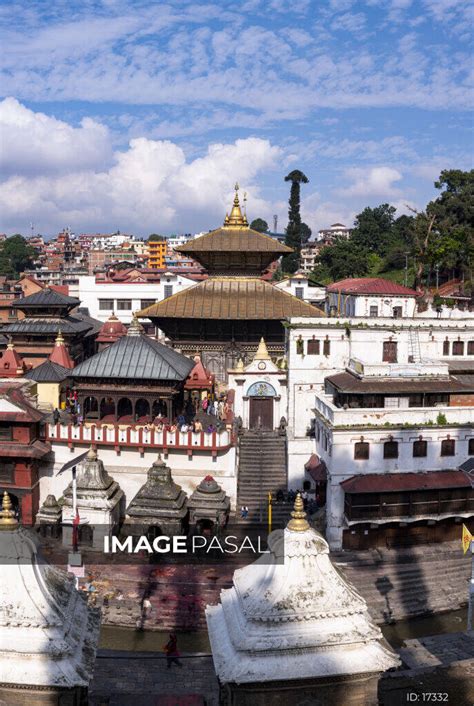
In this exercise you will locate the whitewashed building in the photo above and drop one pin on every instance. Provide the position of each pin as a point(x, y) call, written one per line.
point(299, 286)
point(372, 297)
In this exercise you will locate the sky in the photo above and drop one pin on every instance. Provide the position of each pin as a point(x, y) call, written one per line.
point(141, 116)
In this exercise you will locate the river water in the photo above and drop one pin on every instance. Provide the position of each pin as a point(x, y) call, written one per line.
point(116, 638)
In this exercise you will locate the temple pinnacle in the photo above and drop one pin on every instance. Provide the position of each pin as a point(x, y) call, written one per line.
point(7, 515)
point(298, 523)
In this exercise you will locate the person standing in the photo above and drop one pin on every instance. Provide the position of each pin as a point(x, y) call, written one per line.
point(171, 651)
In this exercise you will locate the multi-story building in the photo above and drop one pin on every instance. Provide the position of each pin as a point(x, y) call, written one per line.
point(156, 254)
point(308, 256)
point(336, 230)
point(299, 286)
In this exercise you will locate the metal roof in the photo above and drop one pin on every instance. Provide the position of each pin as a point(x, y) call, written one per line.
point(67, 324)
point(392, 482)
point(348, 383)
point(48, 372)
point(371, 285)
point(136, 358)
point(46, 298)
point(231, 298)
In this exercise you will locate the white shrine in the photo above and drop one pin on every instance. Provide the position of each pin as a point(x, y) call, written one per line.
point(291, 621)
point(48, 634)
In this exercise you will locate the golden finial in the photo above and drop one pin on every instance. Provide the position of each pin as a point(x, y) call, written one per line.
point(59, 338)
point(7, 515)
point(236, 218)
point(298, 523)
point(262, 351)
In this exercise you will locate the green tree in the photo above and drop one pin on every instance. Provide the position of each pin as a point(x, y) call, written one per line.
point(294, 233)
point(259, 225)
point(15, 255)
point(305, 231)
point(373, 229)
point(341, 260)
point(155, 236)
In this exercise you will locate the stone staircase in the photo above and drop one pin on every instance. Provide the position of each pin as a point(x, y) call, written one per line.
point(262, 470)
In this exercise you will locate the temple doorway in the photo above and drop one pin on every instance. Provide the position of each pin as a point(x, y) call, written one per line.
point(261, 413)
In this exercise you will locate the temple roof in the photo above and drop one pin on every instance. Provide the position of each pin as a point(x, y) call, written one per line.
point(60, 354)
point(136, 357)
point(67, 325)
point(159, 499)
point(111, 330)
point(46, 298)
point(291, 615)
point(231, 298)
point(48, 372)
point(49, 634)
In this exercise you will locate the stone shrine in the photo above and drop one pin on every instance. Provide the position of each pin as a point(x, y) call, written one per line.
point(209, 504)
point(159, 507)
point(291, 628)
point(48, 634)
point(100, 502)
point(49, 517)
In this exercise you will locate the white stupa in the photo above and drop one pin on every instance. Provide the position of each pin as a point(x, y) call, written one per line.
point(48, 634)
point(294, 618)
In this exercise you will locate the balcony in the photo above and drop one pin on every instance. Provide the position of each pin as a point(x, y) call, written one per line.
point(140, 438)
point(386, 416)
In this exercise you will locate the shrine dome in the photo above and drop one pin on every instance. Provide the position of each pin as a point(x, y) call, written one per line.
point(112, 330)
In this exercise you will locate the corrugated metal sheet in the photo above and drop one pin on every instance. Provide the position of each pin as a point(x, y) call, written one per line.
point(392, 482)
point(234, 240)
point(231, 298)
point(348, 383)
point(136, 358)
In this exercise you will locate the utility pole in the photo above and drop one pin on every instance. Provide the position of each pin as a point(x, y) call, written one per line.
point(437, 275)
point(406, 268)
point(275, 223)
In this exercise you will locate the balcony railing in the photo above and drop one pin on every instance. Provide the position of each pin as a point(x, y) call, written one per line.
point(386, 416)
point(139, 437)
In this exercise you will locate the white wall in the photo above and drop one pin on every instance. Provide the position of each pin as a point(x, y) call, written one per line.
point(359, 305)
point(291, 284)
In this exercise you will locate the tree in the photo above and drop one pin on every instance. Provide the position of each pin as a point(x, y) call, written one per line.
point(15, 255)
point(305, 231)
point(293, 231)
point(373, 229)
point(155, 236)
point(259, 225)
point(341, 260)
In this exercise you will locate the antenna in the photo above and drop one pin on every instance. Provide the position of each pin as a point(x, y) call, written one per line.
point(275, 223)
point(32, 226)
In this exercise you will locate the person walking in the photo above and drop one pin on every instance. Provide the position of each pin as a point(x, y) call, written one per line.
point(171, 651)
point(244, 512)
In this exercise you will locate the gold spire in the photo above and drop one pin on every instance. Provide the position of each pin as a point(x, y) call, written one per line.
point(236, 219)
point(135, 328)
point(262, 351)
point(298, 523)
point(240, 365)
point(7, 515)
point(59, 338)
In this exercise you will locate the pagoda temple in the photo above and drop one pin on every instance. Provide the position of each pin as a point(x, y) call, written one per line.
point(292, 627)
point(223, 317)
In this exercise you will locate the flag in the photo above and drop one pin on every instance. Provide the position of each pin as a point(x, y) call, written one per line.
point(466, 538)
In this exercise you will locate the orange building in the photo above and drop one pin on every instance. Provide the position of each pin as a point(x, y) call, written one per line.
point(156, 254)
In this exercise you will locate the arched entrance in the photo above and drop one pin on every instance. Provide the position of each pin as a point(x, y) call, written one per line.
point(91, 408)
point(107, 407)
point(124, 408)
point(261, 396)
point(142, 410)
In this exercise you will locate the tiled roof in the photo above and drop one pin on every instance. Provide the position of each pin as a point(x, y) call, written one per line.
point(136, 358)
point(348, 383)
point(48, 372)
point(391, 482)
point(46, 298)
point(370, 285)
point(231, 298)
point(38, 449)
point(234, 240)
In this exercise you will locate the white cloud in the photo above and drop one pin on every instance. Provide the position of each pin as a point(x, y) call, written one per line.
point(376, 181)
point(151, 186)
point(34, 143)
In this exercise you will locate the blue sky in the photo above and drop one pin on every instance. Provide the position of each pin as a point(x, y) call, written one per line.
point(142, 115)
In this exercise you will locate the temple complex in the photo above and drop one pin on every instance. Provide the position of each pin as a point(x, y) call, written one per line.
point(292, 627)
point(159, 507)
point(49, 634)
point(134, 379)
point(223, 317)
point(46, 313)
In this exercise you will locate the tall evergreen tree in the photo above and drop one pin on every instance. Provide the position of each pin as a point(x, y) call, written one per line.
point(294, 234)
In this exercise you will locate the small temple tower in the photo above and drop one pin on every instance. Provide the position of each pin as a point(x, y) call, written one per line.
point(53, 376)
point(159, 507)
point(291, 628)
point(12, 364)
point(110, 332)
point(48, 634)
point(100, 501)
point(209, 506)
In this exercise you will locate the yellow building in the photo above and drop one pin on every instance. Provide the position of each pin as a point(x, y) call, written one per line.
point(156, 254)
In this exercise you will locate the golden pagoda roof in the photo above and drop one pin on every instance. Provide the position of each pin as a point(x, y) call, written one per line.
point(231, 298)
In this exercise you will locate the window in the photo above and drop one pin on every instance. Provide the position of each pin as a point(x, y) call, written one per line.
point(299, 291)
point(420, 448)
point(389, 352)
point(106, 304)
point(313, 347)
point(326, 347)
point(397, 312)
point(5, 432)
point(446, 347)
point(168, 290)
point(361, 451)
point(7, 472)
point(390, 449)
point(458, 347)
point(470, 347)
point(144, 303)
point(470, 447)
point(448, 447)
point(373, 311)
point(124, 304)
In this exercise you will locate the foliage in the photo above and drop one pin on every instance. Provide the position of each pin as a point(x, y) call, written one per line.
point(294, 231)
point(441, 419)
point(260, 225)
point(341, 260)
point(155, 236)
point(15, 255)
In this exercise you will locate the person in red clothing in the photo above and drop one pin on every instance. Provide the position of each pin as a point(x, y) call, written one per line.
point(171, 650)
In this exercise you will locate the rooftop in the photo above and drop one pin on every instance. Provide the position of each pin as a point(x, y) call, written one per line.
point(370, 285)
point(46, 298)
point(391, 482)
